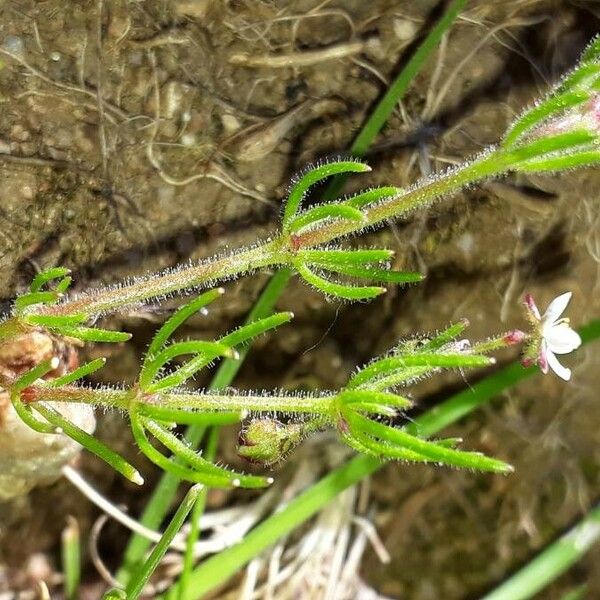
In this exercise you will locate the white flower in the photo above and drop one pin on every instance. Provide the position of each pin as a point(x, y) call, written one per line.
point(553, 336)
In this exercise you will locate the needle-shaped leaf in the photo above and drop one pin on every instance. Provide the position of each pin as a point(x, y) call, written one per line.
point(94, 334)
point(584, 76)
point(592, 52)
point(90, 443)
point(361, 396)
point(444, 337)
point(390, 364)
point(208, 350)
point(324, 211)
point(346, 257)
point(23, 382)
point(534, 116)
point(337, 290)
point(247, 333)
point(178, 318)
point(201, 471)
point(371, 196)
point(33, 298)
point(434, 452)
point(554, 143)
point(54, 321)
point(312, 177)
point(79, 373)
point(41, 279)
point(564, 161)
point(372, 273)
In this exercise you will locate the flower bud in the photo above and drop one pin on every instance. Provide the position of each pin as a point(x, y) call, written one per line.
point(268, 441)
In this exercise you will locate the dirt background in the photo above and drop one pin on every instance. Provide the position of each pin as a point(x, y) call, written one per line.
point(100, 173)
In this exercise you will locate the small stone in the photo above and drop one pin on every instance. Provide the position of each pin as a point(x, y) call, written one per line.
point(405, 30)
point(230, 123)
point(55, 56)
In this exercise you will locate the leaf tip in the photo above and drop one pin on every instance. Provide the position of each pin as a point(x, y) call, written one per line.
point(137, 478)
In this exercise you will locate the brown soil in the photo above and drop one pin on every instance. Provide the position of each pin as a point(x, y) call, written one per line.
point(92, 180)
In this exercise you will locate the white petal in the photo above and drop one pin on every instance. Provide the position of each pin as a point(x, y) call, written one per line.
point(557, 307)
point(561, 371)
point(561, 339)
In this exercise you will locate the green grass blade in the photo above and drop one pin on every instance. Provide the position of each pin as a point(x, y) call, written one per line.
point(396, 91)
point(71, 558)
point(216, 570)
point(551, 562)
point(140, 578)
point(188, 558)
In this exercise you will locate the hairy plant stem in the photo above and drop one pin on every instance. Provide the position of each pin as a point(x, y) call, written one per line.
point(208, 402)
point(278, 252)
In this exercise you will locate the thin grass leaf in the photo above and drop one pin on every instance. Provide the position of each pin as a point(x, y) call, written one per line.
point(327, 211)
point(374, 274)
point(400, 439)
point(313, 177)
point(41, 279)
point(71, 558)
point(534, 116)
point(93, 334)
point(189, 417)
point(551, 562)
point(90, 443)
point(390, 364)
point(35, 298)
point(178, 318)
point(194, 535)
point(346, 257)
point(396, 91)
point(79, 373)
point(371, 196)
point(140, 578)
point(338, 290)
